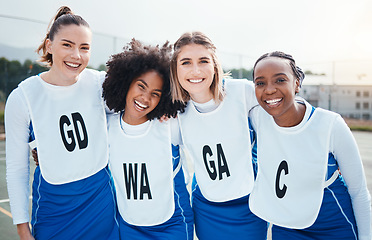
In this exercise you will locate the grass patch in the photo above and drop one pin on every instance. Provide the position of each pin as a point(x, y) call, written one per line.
point(361, 128)
point(359, 125)
point(2, 117)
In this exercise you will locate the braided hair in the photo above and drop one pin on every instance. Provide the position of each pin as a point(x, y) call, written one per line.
point(297, 71)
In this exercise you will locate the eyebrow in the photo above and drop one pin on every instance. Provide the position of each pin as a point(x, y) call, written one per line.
point(69, 41)
point(279, 74)
point(275, 75)
point(201, 58)
point(145, 83)
point(257, 78)
point(66, 40)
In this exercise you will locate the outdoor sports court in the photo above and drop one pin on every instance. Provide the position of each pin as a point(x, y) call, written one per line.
point(9, 232)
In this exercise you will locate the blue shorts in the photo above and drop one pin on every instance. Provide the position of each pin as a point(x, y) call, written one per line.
point(225, 220)
point(335, 220)
point(179, 226)
point(85, 209)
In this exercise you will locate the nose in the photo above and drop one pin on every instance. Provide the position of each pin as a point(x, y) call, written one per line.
point(146, 97)
point(196, 69)
point(75, 53)
point(270, 89)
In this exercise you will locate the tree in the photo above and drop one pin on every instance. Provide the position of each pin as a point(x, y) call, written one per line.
point(241, 73)
point(102, 67)
point(13, 72)
point(308, 72)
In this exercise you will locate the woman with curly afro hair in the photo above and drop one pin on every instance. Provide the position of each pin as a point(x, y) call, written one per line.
point(152, 198)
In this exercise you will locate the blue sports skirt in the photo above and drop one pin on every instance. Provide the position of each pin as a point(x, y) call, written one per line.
point(335, 219)
point(85, 209)
point(179, 227)
point(225, 220)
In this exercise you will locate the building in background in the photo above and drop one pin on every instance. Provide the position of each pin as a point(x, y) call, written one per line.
point(351, 100)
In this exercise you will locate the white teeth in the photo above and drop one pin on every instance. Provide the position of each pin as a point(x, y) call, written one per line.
point(74, 65)
point(195, 80)
point(273, 101)
point(140, 104)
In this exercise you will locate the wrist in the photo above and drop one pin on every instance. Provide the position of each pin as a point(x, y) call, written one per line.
point(23, 229)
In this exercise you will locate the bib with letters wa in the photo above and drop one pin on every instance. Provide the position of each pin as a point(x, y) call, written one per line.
point(70, 128)
point(292, 167)
point(142, 169)
point(220, 146)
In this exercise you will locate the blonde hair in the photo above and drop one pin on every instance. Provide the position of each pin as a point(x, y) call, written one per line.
point(179, 93)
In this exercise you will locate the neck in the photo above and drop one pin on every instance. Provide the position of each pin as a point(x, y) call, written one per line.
point(293, 117)
point(133, 121)
point(54, 78)
point(202, 98)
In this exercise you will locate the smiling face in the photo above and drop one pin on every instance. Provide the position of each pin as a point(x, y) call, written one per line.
point(276, 87)
point(195, 71)
point(70, 51)
point(143, 96)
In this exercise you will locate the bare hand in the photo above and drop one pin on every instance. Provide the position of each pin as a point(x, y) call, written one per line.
point(34, 155)
point(24, 231)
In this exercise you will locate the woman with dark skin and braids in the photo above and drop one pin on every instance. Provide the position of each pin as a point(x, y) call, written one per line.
point(63, 113)
point(152, 198)
point(310, 182)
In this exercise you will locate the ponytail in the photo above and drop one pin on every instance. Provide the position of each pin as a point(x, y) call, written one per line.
point(64, 17)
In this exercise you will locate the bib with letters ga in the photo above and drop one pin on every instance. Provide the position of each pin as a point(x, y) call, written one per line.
point(69, 124)
point(220, 146)
point(292, 167)
point(142, 169)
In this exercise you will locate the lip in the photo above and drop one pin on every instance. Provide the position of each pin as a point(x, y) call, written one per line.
point(72, 65)
point(140, 106)
point(271, 103)
point(195, 80)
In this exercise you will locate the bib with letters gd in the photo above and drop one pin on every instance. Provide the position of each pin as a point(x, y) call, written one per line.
point(220, 146)
point(142, 169)
point(292, 167)
point(70, 127)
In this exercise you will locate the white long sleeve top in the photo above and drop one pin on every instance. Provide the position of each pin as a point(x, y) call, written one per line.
point(17, 123)
point(345, 150)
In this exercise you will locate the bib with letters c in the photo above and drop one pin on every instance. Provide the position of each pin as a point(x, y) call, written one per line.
point(70, 128)
point(142, 169)
point(292, 167)
point(220, 146)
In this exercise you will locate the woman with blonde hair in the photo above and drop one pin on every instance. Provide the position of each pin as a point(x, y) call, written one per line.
point(215, 131)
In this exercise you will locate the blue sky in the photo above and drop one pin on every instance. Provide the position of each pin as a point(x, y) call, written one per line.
point(317, 32)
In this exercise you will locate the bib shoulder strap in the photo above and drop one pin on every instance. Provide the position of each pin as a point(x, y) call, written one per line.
point(331, 179)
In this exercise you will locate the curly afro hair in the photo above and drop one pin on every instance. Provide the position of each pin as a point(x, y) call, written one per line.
point(135, 60)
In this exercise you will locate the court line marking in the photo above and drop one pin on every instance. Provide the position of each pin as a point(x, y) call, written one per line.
point(4, 200)
point(6, 212)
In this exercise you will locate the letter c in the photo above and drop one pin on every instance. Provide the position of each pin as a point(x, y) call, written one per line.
point(280, 192)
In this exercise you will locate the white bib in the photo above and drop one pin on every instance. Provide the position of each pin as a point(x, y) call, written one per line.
point(69, 123)
point(142, 169)
point(220, 146)
point(292, 167)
